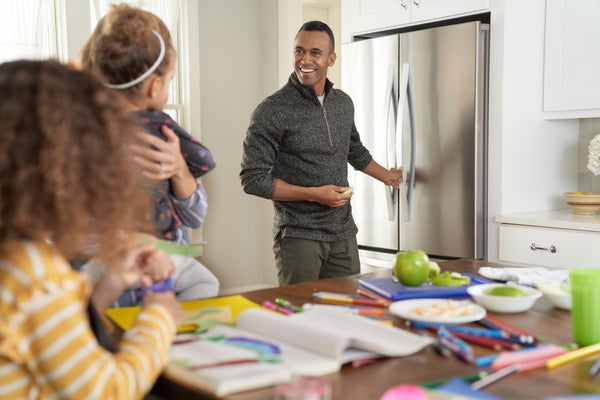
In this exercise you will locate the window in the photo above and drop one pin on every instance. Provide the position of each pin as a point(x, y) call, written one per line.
point(170, 11)
point(31, 29)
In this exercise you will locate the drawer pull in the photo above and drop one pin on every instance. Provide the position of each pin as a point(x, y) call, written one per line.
point(551, 249)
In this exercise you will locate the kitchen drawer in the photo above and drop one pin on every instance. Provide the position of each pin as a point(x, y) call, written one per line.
point(548, 247)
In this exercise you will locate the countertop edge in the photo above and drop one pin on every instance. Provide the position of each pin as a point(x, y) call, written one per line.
point(560, 219)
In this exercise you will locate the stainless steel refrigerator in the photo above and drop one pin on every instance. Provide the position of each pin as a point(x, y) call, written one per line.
point(421, 103)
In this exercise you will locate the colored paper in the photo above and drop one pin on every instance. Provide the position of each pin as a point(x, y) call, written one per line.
point(124, 316)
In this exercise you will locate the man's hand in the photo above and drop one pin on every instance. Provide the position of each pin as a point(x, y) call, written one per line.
point(393, 177)
point(331, 195)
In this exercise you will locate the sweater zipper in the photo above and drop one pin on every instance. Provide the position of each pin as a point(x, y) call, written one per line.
point(327, 124)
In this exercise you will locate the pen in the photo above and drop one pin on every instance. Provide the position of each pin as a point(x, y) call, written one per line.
point(290, 306)
point(348, 300)
point(494, 376)
point(275, 307)
point(573, 355)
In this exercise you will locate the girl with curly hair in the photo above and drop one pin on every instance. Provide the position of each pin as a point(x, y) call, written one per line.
point(66, 180)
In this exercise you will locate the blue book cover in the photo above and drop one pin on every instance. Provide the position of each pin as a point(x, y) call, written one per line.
point(394, 290)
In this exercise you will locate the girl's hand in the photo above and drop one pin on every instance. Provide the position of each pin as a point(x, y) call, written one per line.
point(167, 300)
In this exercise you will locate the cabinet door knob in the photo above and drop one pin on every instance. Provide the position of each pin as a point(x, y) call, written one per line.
point(551, 249)
point(417, 2)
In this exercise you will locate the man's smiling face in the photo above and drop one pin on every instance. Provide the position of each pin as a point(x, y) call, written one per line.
point(313, 55)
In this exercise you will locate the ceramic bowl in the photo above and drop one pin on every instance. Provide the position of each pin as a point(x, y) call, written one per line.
point(557, 294)
point(504, 304)
point(583, 203)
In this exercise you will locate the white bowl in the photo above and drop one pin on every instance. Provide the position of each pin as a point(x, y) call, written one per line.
point(556, 294)
point(504, 304)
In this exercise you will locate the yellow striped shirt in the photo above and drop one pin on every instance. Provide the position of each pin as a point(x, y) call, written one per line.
point(47, 349)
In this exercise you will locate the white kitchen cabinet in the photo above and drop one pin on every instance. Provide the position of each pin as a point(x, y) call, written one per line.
point(367, 16)
point(572, 59)
point(550, 238)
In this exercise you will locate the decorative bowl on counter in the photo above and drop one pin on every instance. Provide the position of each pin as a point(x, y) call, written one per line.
point(504, 303)
point(583, 203)
point(559, 294)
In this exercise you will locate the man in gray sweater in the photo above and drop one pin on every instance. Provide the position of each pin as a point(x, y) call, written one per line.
point(296, 153)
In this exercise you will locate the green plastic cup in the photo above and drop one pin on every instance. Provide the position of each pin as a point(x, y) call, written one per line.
point(585, 309)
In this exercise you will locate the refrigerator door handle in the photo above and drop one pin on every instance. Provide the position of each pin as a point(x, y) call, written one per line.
point(406, 96)
point(391, 194)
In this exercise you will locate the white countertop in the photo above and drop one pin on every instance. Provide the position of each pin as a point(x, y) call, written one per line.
point(563, 219)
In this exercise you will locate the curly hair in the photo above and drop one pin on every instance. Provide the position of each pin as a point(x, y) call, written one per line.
point(66, 173)
point(123, 47)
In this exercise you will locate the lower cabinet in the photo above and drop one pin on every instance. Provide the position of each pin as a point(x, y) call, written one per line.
point(549, 247)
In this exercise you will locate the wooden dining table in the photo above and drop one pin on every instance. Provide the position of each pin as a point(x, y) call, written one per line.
point(370, 381)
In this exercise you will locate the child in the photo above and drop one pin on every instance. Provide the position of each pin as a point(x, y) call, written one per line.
point(67, 179)
point(131, 51)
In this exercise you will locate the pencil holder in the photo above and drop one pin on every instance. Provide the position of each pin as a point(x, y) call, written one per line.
point(585, 309)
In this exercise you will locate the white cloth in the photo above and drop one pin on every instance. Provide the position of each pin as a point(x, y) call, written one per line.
point(529, 276)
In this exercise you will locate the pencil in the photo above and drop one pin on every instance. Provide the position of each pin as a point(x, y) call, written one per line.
point(494, 323)
point(573, 355)
point(349, 300)
point(494, 376)
point(498, 334)
point(374, 296)
point(488, 342)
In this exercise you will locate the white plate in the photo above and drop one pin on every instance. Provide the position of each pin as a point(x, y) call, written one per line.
point(406, 309)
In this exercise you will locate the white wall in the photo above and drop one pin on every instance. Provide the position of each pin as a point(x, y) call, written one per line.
point(238, 67)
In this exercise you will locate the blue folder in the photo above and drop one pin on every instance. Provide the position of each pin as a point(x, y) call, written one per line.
point(393, 290)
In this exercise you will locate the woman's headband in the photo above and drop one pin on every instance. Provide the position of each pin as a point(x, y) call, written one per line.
point(150, 70)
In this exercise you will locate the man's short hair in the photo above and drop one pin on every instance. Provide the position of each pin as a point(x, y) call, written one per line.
point(319, 26)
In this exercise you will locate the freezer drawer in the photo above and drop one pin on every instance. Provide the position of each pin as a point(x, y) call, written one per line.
point(560, 248)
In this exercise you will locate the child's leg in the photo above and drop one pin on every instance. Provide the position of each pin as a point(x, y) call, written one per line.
point(192, 279)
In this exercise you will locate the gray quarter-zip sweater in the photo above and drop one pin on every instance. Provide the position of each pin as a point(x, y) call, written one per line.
point(293, 137)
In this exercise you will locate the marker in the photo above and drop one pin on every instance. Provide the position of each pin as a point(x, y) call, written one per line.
point(458, 346)
point(275, 307)
point(290, 306)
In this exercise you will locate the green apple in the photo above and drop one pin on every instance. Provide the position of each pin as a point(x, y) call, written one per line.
point(412, 268)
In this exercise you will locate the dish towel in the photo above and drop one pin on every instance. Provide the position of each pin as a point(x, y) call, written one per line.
point(529, 276)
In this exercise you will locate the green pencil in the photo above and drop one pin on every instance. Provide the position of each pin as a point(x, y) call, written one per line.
point(467, 378)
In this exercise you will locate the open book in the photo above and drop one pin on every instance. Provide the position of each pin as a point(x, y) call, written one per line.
point(266, 348)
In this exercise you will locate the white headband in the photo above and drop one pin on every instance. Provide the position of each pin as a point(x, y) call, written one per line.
point(146, 74)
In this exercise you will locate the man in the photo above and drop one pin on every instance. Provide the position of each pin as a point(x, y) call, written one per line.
point(296, 153)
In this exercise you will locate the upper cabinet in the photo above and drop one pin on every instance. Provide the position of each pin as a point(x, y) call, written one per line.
point(572, 59)
point(367, 16)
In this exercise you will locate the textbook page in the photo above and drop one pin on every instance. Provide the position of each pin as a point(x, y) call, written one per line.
point(332, 332)
point(228, 360)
